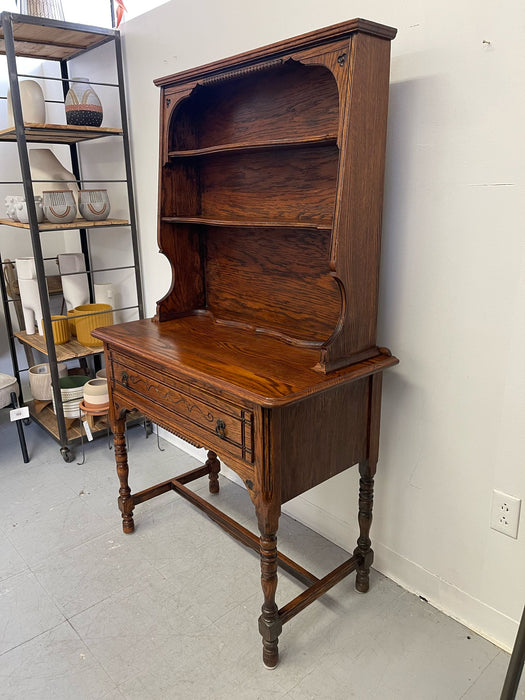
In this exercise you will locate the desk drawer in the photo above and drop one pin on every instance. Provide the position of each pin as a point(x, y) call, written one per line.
point(220, 425)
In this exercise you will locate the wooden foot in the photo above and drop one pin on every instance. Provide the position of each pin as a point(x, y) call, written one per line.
point(125, 501)
point(270, 625)
point(363, 549)
point(215, 466)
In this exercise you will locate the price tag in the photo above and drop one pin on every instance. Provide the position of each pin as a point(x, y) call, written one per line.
point(88, 430)
point(19, 413)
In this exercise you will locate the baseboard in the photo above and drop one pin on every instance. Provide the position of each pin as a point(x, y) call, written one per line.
point(447, 598)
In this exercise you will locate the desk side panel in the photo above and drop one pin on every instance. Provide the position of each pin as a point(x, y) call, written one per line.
point(322, 436)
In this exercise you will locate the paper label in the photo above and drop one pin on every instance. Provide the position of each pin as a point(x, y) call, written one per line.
point(19, 413)
point(88, 431)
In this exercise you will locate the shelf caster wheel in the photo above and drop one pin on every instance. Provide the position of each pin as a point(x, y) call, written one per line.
point(26, 421)
point(67, 455)
point(148, 427)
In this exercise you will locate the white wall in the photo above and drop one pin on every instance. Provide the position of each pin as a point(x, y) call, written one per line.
point(452, 285)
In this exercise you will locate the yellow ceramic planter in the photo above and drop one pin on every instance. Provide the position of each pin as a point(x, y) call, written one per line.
point(84, 324)
point(60, 326)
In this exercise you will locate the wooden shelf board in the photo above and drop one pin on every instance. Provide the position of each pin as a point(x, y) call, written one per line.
point(53, 41)
point(318, 140)
point(59, 133)
point(46, 417)
point(67, 351)
point(246, 223)
point(77, 223)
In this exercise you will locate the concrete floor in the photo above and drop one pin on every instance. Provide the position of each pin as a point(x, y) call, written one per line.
point(171, 611)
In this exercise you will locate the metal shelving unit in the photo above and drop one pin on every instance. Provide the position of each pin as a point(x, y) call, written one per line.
point(51, 40)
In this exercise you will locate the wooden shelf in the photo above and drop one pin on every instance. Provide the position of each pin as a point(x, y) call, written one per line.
point(67, 351)
point(246, 223)
point(77, 223)
point(42, 413)
point(52, 40)
point(319, 140)
point(59, 133)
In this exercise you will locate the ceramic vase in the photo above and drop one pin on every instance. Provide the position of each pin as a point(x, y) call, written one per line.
point(93, 205)
point(83, 107)
point(46, 167)
point(33, 103)
point(29, 296)
point(59, 206)
point(52, 9)
point(11, 203)
point(75, 287)
point(22, 214)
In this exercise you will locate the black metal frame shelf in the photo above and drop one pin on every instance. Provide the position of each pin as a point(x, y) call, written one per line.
point(52, 40)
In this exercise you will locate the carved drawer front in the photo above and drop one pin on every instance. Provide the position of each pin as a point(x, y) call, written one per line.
point(194, 414)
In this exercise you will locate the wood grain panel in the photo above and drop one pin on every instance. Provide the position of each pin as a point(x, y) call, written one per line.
point(292, 185)
point(290, 100)
point(291, 290)
point(322, 436)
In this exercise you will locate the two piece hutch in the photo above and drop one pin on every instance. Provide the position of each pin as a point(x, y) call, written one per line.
point(264, 348)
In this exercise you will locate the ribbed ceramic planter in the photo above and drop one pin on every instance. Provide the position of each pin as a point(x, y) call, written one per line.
point(60, 326)
point(85, 324)
point(71, 391)
point(40, 381)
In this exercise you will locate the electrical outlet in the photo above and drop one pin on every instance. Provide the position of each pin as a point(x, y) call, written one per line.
point(505, 513)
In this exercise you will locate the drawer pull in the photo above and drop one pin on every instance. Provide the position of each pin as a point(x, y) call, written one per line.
point(124, 379)
point(220, 428)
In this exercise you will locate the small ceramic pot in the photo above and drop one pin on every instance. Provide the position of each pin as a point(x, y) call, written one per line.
point(71, 392)
point(59, 206)
point(8, 384)
point(96, 393)
point(102, 374)
point(93, 204)
point(60, 326)
point(12, 201)
point(40, 380)
point(22, 214)
point(84, 324)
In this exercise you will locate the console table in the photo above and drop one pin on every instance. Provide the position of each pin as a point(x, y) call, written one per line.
point(264, 348)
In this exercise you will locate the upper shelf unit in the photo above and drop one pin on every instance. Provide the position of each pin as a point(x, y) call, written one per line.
point(59, 133)
point(53, 41)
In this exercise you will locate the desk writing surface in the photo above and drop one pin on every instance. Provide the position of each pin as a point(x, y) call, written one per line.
point(259, 368)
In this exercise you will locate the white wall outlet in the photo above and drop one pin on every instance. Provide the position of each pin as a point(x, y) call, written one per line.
point(505, 513)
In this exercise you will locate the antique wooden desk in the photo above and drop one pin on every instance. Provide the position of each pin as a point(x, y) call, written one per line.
point(264, 349)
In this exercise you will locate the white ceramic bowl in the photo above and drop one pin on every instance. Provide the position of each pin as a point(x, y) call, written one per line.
point(7, 385)
point(96, 392)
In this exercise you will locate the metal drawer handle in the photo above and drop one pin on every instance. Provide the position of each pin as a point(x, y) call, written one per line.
point(124, 379)
point(220, 428)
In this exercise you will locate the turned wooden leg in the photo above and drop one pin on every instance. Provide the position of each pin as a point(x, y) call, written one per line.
point(125, 501)
point(270, 625)
point(363, 550)
point(215, 466)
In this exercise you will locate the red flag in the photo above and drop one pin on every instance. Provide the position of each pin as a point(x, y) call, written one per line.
point(120, 11)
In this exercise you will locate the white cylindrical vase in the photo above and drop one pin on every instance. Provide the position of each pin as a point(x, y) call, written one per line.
point(75, 287)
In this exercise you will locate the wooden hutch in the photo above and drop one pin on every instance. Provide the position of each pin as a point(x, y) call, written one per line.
point(264, 348)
